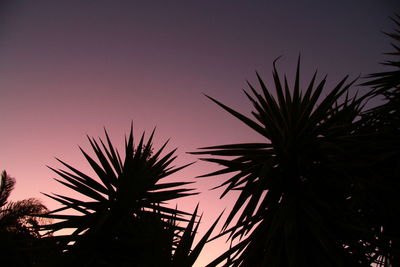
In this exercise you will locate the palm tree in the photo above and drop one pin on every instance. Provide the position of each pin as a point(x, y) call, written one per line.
point(295, 206)
point(381, 128)
point(123, 219)
point(19, 227)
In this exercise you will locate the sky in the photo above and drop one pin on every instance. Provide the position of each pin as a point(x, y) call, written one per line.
point(70, 68)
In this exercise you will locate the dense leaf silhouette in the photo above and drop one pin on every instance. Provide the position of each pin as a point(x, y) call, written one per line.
point(321, 190)
point(20, 243)
point(124, 219)
point(294, 207)
point(380, 128)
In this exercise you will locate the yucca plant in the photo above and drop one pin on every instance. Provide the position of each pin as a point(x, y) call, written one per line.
point(381, 128)
point(123, 218)
point(295, 203)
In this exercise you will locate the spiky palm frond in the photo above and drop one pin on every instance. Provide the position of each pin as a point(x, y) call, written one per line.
point(388, 81)
point(293, 187)
point(125, 211)
point(381, 128)
point(7, 184)
point(386, 84)
point(185, 254)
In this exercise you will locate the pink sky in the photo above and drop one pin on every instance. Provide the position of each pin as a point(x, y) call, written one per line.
point(70, 68)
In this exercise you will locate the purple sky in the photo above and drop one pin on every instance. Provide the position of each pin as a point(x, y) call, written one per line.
point(70, 68)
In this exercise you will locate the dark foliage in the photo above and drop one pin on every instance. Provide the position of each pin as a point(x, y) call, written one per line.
point(380, 128)
point(296, 187)
point(124, 220)
point(20, 240)
point(321, 190)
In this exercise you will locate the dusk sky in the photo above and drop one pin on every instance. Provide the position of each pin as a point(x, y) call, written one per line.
point(71, 68)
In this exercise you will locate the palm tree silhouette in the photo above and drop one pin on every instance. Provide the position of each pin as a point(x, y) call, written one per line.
point(124, 220)
point(381, 128)
point(19, 227)
point(295, 206)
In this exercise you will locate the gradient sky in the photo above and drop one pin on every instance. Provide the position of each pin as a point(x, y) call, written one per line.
point(70, 68)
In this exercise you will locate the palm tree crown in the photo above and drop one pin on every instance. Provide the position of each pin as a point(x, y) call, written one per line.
point(125, 219)
point(295, 187)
